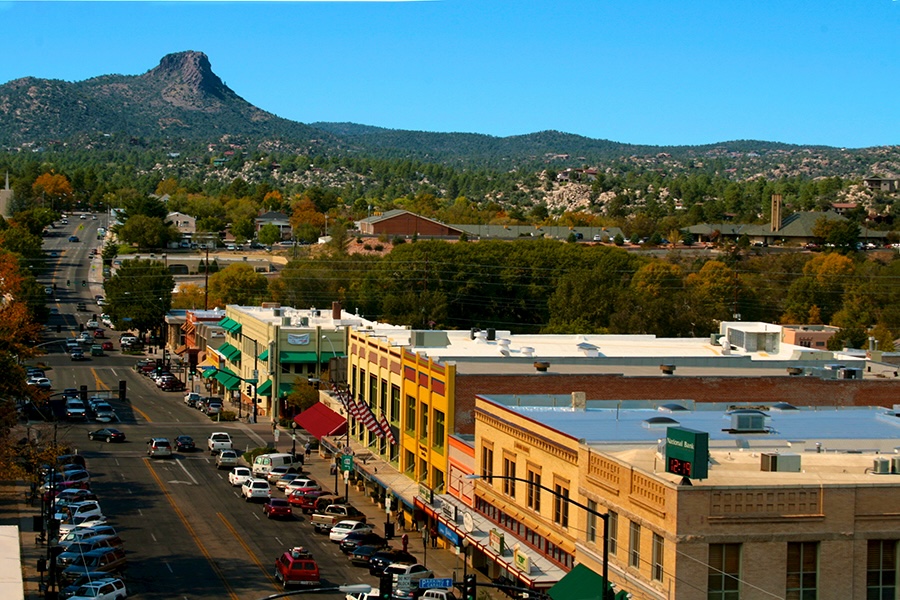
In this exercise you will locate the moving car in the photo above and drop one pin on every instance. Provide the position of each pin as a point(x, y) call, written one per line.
point(77, 354)
point(256, 489)
point(226, 459)
point(159, 447)
point(41, 382)
point(73, 238)
point(239, 475)
point(107, 435)
point(277, 508)
point(296, 567)
point(103, 412)
point(185, 443)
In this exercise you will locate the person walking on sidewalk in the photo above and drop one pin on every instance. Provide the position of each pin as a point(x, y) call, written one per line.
point(307, 450)
point(433, 535)
point(401, 520)
point(404, 541)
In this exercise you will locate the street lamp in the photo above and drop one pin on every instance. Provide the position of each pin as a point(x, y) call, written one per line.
point(355, 588)
point(603, 516)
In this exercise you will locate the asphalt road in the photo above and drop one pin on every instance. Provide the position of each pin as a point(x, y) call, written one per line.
point(187, 532)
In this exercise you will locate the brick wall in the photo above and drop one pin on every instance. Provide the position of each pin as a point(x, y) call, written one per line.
point(800, 391)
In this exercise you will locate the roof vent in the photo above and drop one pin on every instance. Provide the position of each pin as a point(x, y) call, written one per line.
point(667, 369)
point(527, 351)
point(659, 423)
point(541, 366)
point(784, 406)
point(671, 407)
point(748, 421)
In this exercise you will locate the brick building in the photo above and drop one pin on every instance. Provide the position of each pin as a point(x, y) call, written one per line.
point(406, 224)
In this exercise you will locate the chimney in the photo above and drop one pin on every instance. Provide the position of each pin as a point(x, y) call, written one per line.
point(776, 212)
point(579, 400)
point(336, 310)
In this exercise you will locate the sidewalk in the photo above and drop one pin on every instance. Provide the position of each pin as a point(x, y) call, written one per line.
point(443, 561)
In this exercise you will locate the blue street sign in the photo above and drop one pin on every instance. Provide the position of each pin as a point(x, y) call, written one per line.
point(436, 583)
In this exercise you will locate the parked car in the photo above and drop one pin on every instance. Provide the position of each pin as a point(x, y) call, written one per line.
point(104, 559)
point(226, 459)
point(256, 489)
point(107, 435)
point(191, 399)
point(171, 384)
point(358, 538)
point(86, 545)
point(103, 589)
point(278, 472)
point(381, 559)
point(296, 567)
point(41, 382)
point(411, 572)
point(185, 443)
point(239, 475)
point(342, 529)
point(300, 484)
point(83, 533)
point(84, 578)
point(212, 408)
point(361, 555)
point(277, 508)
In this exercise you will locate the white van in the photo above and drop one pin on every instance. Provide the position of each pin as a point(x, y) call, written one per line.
point(266, 462)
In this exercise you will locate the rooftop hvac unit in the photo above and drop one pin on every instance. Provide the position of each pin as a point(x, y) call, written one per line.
point(748, 422)
point(895, 465)
point(783, 463)
point(881, 466)
point(768, 461)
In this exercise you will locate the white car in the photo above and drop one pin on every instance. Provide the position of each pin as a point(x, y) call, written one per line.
point(88, 521)
point(413, 573)
point(256, 488)
point(344, 528)
point(92, 324)
point(102, 589)
point(301, 483)
point(41, 382)
point(239, 475)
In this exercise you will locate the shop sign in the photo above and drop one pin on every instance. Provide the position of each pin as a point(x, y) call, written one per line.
point(521, 560)
point(497, 542)
point(449, 511)
point(426, 494)
point(448, 533)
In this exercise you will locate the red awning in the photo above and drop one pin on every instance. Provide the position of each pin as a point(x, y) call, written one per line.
point(320, 421)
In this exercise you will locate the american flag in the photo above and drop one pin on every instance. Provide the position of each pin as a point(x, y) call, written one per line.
point(368, 418)
point(386, 428)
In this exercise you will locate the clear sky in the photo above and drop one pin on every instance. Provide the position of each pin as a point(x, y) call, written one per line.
point(636, 71)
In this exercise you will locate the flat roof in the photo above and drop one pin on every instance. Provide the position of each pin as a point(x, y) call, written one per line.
point(836, 444)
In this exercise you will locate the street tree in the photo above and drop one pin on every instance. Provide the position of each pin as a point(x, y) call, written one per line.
point(147, 232)
point(269, 234)
point(139, 295)
point(53, 188)
point(238, 283)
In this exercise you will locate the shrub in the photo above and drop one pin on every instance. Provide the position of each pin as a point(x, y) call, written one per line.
point(367, 247)
point(398, 240)
point(379, 247)
point(225, 415)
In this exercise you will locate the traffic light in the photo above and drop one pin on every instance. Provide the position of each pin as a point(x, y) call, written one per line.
point(68, 282)
point(84, 283)
point(249, 390)
point(385, 585)
point(58, 328)
point(159, 366)
point(470, 588)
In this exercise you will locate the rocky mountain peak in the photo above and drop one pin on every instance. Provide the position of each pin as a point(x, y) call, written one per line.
point(187, 78)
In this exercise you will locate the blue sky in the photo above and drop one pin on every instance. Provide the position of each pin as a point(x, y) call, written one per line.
point(635, 71)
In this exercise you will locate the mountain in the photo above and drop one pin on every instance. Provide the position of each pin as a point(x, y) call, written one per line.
point(184, 104)
point(179, 98)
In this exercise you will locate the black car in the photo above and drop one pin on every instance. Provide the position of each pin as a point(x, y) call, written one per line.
point(355, 539)
point(361, 555)
point(107, 435)
point(184, 443)
point(381, 559)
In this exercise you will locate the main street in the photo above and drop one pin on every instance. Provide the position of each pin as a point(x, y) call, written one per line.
point(187, 532)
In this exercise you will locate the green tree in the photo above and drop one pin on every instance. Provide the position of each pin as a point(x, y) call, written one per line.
point(269, 234)
point(147, 232)
point(238, 283)
point(139, 294)
point(842, 235)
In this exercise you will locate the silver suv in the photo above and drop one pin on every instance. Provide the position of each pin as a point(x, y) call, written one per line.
point(158, 447)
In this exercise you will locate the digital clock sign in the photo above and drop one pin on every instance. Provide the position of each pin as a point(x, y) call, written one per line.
point(687, 452)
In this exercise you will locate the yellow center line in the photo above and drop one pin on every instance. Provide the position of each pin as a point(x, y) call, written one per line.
point(103, 386)
point(191, 532)
point(247, 549)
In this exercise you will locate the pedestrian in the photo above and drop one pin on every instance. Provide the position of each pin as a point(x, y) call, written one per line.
point(433, 535)
point(307, 450)
point(401, 520)
point(404, 540)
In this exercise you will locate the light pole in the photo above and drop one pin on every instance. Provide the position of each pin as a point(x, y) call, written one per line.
point(603, 516)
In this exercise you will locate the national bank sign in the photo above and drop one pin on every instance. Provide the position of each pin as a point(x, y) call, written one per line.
point(687, 452)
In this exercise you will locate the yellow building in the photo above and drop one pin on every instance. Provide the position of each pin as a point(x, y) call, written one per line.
point(797, 503)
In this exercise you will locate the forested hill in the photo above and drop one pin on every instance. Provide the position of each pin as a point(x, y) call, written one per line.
point(181, 105)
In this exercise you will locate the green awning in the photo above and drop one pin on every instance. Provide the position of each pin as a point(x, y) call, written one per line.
point(264, 355)
point(581, 583)
point(326, 356)
point(293, 358)
point(230, 325)
point(285, 388)
point(210, 372)
point(265, 389)
point(229, 381)
point(229, 352)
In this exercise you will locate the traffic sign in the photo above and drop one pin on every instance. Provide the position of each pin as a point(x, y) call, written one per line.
point(404, 580)
point(346, 462)
point(436, 583)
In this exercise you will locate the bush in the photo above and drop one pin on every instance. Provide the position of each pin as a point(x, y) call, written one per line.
point(398, 240)
point(367, 247)
point(225, 415)
point(379, 247)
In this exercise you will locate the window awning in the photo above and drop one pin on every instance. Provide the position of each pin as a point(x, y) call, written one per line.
point(320, 421)
point(230, 325)
point(293, 358)
point(209, 372)
point(264, 355)
point(265, 388)
point(580, 583)
point(229, 352)
point(231, 382)
point(180, 349)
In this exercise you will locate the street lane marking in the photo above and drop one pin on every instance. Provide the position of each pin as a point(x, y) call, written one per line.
point(186, 471)
point(191, 531)
point(103, 386)
point(98, 381)
point(247, 549)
